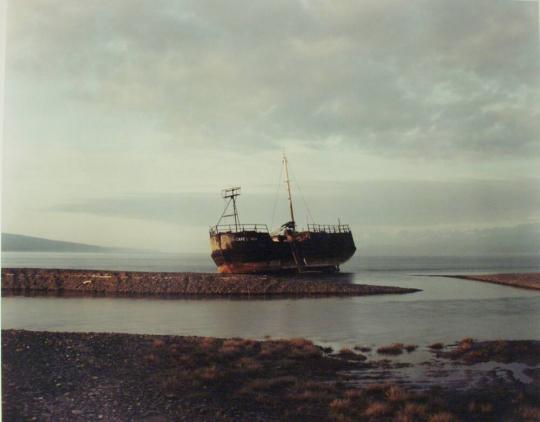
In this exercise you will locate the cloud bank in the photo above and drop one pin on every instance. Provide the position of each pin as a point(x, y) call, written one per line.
point(437, 78)
point(124, 119)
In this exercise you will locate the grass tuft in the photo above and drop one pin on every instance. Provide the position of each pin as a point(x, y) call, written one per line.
point(443, 417)
point(410, 348)
point(436, 346)
point(340, 405)
point(396, 394)
point(158, 343)
point(377, 410)
point(465, 344)
point(393, 349)
point(530, 413)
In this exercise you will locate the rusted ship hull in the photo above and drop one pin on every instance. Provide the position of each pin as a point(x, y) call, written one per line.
point(256, 252)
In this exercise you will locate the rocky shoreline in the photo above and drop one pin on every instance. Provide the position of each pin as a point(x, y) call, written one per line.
point(52, 376)
point(126, 283)
point(522, 280)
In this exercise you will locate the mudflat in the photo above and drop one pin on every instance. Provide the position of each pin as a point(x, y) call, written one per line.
point(523, 280)
point(118, 377)
point(34, 280)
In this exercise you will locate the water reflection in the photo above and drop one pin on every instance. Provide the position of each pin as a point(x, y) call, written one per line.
point(445, 310)
point(334, 321)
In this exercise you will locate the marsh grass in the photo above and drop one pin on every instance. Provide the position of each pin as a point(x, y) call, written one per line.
point(393, 349)
point(436, 346)
point(351, 355)
point(530, 413)
point(363, 349)
point(410, 348)
point(378, 409)
point(274, 379)
point(413, 411)
point(470, 351)
point(396, 394)
point(480, 407)
point(443, 417)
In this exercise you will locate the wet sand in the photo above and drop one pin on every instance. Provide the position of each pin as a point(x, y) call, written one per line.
point(522, 280)
point(117, 377)
point(90, 282)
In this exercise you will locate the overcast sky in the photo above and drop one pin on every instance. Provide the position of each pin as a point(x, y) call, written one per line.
point(416, 121)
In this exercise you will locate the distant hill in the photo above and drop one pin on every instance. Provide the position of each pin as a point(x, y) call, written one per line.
point(19, 243)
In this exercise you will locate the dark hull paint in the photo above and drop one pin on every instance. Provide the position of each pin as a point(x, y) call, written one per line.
point(254, 252)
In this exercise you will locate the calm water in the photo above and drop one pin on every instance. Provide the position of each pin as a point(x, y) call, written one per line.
point(446, 310)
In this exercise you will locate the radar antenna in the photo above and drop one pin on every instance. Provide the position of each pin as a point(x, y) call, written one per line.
point(231, 194)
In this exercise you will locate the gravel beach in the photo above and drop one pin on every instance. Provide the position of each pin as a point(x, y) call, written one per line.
point(30, 280)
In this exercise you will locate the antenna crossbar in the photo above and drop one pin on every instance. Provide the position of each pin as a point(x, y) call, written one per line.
point(230, 192)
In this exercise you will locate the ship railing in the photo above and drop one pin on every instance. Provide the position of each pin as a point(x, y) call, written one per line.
point(329, 228)
point(238, 228)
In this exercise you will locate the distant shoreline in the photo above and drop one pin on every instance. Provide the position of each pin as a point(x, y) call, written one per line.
point(128, 283)
point(20, 243)
point(522, 280)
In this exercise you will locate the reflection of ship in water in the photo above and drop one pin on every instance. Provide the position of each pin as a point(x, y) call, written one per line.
point(251, 248)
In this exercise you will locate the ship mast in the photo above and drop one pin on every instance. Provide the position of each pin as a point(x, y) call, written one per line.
point(287, 181)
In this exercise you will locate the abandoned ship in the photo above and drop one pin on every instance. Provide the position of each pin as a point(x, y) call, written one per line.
point(252, 248)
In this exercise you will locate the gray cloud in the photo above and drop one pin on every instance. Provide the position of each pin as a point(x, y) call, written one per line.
point(436, 78)
point(108, 97)
point(387, 218)
point(392, 204)
point(520, 239)
point(178, 209)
